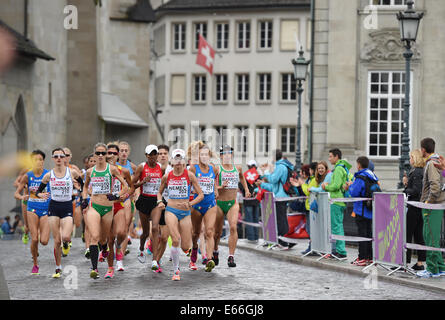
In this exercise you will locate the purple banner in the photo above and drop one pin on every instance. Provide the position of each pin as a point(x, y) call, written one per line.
point(389, 224)
point(269, 218)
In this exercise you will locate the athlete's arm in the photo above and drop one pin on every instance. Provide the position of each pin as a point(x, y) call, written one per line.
point(243, 182)
point(127, 177)
point(216, 181)
point(19, 177)
point(21, 185)
point(86, 184)
point(161, 191)
point(115, 172)
point(136, 177)
point(197, 189)
point(42, 186)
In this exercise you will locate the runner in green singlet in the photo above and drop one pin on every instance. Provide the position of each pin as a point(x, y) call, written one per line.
point(228, 178)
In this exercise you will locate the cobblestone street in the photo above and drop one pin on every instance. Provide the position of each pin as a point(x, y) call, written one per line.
point(255, 277)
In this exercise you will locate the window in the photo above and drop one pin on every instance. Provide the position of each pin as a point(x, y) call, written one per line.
point(198, 132)
point(262, 139)
point(222, 36)
point(177, 89)
point(264, 87)
point(265, 35)
point(288, 87)
point(242, 88)
point(288, 140)
point(199, 88)
point(221, 88)
point(386, 94)
point(222, 136)
point(179, 37)
point(243, 38)
point(241, 136)
point(388, 2)
point(199, 28)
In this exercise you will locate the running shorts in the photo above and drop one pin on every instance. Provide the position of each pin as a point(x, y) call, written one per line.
point(60, 209)
point(146, 204)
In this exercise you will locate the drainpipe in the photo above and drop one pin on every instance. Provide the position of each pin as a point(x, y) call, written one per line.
point(25, 27)
point(311, 92)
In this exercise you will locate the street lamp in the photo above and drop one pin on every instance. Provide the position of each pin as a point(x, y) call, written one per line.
point(300, 70)
point(409, 22)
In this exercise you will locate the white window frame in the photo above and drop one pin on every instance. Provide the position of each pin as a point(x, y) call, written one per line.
point(245, 46)
point(264, 87)
point(244, 78)
point(241, 139)
point(223, 135)
point(291, 80)
point(389, 96)
point(198, 28)
point(269, 28)
point(180, 143)
point(220, 87)
point(391, 5)
point(262, 134)
point(287, 147)
point(225, 36)
point(202, 89)
point(182, 36)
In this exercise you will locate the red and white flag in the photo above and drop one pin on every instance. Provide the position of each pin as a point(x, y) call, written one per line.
point(206, 55)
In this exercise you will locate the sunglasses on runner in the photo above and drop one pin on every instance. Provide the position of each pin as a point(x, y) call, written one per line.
point(100, 153)
point(113, 153)
point(67, 155)
point(58, 156)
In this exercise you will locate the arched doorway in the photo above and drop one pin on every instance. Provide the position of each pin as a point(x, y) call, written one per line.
point(20, 121)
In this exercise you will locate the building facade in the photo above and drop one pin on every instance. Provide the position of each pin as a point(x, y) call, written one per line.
point(359, 81)
point(250, 100)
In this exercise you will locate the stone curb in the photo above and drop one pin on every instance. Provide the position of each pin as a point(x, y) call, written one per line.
point(293, 257)
point(4, 292)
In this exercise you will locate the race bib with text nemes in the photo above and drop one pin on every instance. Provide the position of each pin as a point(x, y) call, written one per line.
point(178, 189)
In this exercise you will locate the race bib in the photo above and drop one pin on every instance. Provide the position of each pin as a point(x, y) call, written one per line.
point(32, 194)
point(100, 185)
point(232, 179)
point(152, 187)
point(178, 189)
point(61, 190)
point(207, 184)
point(116, 186)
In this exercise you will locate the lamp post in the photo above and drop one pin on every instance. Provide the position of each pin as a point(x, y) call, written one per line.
point(300, 70)
point(409, 22)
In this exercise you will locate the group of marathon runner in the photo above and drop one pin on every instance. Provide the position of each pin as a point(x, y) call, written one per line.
point(176, 198)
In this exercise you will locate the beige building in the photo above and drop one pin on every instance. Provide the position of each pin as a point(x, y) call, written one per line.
point(250, 101)
point(359, 81)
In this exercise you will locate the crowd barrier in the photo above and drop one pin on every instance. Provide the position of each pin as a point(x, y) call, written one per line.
point(388, 227)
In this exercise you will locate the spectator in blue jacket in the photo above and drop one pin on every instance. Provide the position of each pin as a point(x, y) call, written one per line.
point(6, 227)
point(357, 189)
point(274, 182)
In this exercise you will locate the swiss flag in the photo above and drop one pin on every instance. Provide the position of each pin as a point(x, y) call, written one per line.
point(206, 55)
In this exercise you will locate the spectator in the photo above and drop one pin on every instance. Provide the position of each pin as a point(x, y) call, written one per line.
point(6, 227)
point(335, 188)
point(363, 214)
point(432, 192)
point(18, 224)
point(274, 183)
point(414, 220)
point(251, 206)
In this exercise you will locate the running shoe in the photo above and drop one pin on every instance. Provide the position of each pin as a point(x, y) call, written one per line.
point(94, 274)
point(194, 255)
point(204, 260)
point(129, 241)
point(427, 274)
point(35, 270)
point(360, 262)
point(120, 255)
point(417, 267)
point(176, 276)
point(127, 251)
point(71, 244)
point(25, 238)
point(192, 266)
point(119, 265)
point(148, 247)
point(159, 270)
point(216, 257)
point(109, 274)
point(209, 266)
point(101, 257)
point(57, 274)
point(231, 262)
point(141, 256)
point(188, 252)
point(154, 265)
point(87, 253)
point(65, 249)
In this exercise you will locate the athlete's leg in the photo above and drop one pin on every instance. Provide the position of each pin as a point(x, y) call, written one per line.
point(66, 227)
point(196, 219)
point(54, 223)
point(33, 224)
point(77, 214)
point(165, 233)
point(185, 230)
point(209, 231)
point(155, 216)
point(93, 224)
point(232, 217)
point(219, 224)
point(202, 241)
point(145, 223)
point(173, 226)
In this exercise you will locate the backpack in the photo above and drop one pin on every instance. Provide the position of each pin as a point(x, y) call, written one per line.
point(287, 186)
point(371, 186)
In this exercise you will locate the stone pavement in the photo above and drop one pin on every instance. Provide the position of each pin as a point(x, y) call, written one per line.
point(294, 255)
